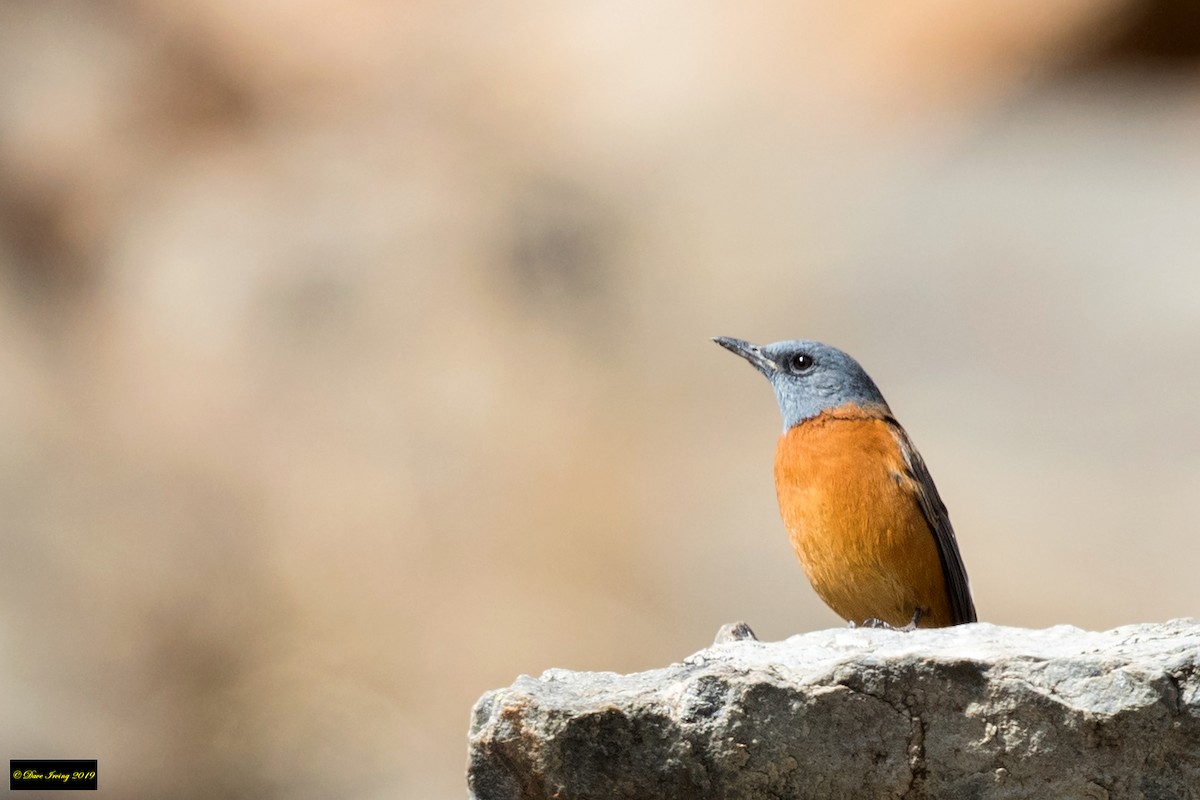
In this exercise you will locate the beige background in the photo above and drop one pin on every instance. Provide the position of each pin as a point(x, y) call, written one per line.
point(354, 357)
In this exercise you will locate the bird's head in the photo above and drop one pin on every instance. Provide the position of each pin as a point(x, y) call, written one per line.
point(808, 377)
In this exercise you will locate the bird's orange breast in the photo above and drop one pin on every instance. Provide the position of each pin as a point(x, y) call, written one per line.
point(852, 513)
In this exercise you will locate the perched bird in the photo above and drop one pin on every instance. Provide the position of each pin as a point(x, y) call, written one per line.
point(860, 507)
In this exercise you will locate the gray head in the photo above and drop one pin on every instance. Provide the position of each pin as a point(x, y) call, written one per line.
point(808, 377)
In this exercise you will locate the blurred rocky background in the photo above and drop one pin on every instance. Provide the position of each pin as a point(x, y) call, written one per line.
point(354, 357)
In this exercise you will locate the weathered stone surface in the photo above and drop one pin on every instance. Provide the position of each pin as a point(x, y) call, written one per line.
point(977, 711)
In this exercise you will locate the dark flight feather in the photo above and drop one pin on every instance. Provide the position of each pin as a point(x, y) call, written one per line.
point(962, 607)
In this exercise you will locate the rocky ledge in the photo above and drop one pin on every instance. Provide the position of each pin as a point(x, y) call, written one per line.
point(976, 711)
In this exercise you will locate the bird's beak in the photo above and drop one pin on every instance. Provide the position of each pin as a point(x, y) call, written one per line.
point(751, 352)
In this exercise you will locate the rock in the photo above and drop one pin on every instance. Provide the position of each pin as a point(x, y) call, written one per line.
point(975, 711)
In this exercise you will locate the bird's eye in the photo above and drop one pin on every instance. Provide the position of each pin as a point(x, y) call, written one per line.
point(801, 362)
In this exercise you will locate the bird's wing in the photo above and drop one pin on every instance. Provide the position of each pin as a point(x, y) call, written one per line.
point(962, 608)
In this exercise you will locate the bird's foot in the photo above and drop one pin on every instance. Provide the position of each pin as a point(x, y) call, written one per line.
point(876, 622)
point(912, 623)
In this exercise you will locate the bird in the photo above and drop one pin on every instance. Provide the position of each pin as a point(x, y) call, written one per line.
point(861, 510)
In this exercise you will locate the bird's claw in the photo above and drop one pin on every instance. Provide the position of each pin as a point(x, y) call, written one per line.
point(876, 622)
point(879, 624)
